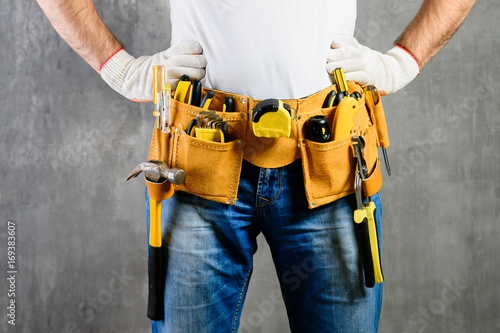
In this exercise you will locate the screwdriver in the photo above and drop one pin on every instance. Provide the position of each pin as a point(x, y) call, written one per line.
point(157, 88)
point(342, 88)
point(373, 98)
point(165, 116)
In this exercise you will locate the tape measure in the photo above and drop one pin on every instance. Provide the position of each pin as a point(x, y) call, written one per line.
point(272, 118)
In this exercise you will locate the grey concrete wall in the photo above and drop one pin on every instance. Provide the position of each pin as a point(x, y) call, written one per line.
point(67, 141)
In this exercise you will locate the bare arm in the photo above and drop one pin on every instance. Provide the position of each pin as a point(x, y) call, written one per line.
point(81, 27)
point(432, 28)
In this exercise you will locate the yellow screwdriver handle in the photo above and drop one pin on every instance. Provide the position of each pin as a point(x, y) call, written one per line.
point(157, 84)
point(341, 81)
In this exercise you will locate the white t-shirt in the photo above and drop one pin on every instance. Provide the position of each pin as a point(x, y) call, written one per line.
point(264, 48)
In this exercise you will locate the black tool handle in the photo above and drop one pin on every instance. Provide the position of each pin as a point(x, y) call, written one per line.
point(319, 129)
point(208, 95)
point(366, 253)
point(155, 284)
point(195, 94)
point(225, 132)
point(191, 127)
point(229, 104)
point(328, 103)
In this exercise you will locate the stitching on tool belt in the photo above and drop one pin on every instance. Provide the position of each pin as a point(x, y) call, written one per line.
point(152, 156)
point(301, 123)
point(170, 151)
point(233, 181)
point(195, 113)
point(237, 161)
point(341, 144)
point(204, 145)
point(340, 194)
point(308, 175)
point(177, 151)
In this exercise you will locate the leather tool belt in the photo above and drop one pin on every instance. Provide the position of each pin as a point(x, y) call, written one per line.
point(213, 168)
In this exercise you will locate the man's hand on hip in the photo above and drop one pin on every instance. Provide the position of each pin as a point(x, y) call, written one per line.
point(388, 72)
point(133, 78)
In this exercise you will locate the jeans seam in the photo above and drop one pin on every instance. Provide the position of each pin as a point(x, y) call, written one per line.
point(240, 296)
point(277, 195)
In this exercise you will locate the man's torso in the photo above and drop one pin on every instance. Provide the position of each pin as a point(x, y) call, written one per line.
point(264, 48)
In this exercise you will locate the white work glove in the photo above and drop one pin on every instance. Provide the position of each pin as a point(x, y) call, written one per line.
point(133, 78)
point(387, 72)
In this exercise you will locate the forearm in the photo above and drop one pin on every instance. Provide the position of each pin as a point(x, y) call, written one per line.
point(432, 28)
point(81, 27)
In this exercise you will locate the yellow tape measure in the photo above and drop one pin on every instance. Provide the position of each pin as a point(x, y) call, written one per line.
point(272, 118)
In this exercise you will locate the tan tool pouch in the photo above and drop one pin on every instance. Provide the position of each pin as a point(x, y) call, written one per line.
point(329, 168)
point(213, 169)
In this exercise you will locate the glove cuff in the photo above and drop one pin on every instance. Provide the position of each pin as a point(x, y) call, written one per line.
point(410, 54)
point(114, 70)
point(107, 60)
point(407, 67)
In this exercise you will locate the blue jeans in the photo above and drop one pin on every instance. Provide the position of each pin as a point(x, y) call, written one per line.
point(209, 248)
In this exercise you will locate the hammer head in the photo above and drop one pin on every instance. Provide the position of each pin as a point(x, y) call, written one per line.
point(158, 172)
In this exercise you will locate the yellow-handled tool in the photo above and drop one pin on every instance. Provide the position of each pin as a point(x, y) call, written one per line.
point(159, 180)
point(370, 210)
point(342, 87)
point(342, 120)
point(272, 118)
point(182, 89)
point(366, 224)
point(346, 107)
point(207, 99)
point(362, 229)
point(157, 93)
